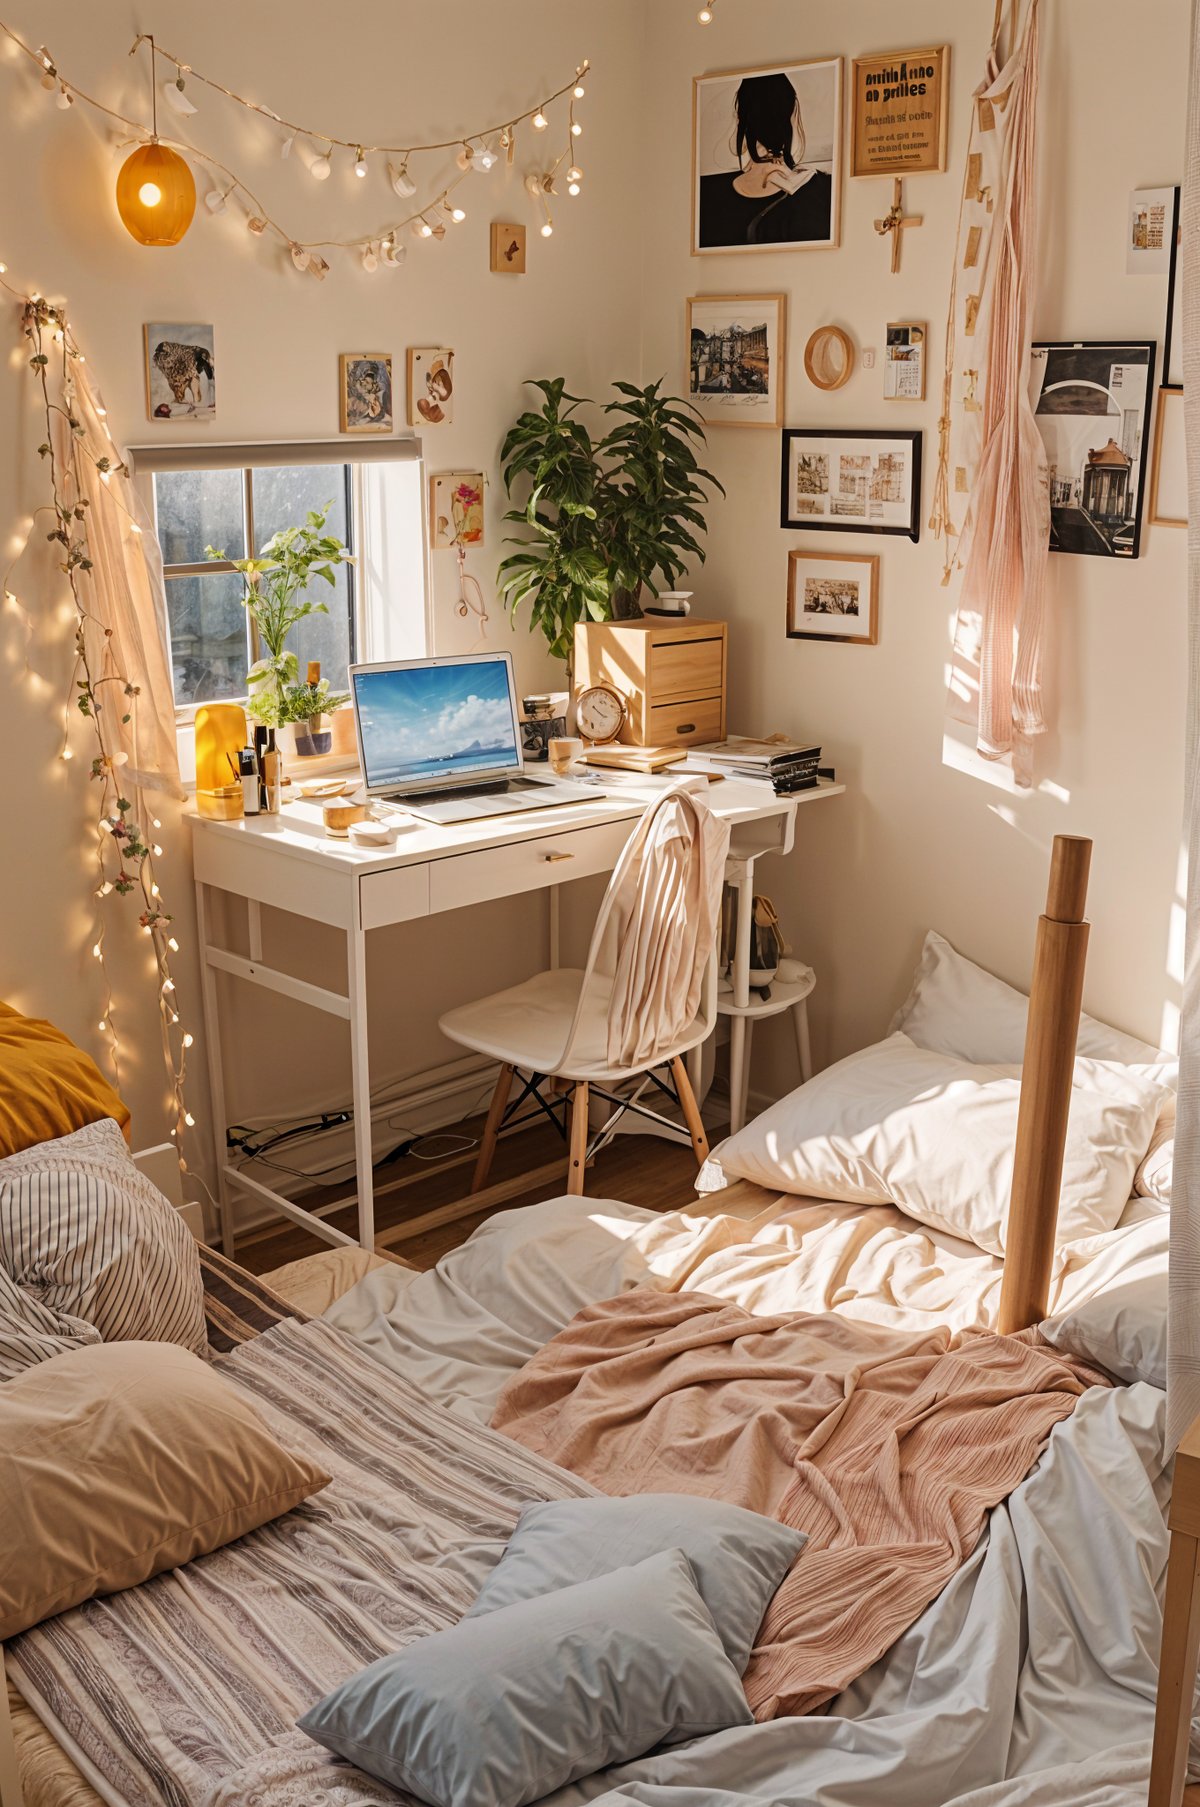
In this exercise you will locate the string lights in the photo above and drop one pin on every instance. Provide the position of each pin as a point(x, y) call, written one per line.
point(125, 857)
point(314, 147)
point(705, 15)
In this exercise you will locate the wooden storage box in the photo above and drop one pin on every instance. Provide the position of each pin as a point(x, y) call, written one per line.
point(671, 675)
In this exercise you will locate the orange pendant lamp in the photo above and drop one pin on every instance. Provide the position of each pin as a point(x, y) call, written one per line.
point(156, 191)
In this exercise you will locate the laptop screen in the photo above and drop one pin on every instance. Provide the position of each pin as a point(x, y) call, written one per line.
point(436, 719)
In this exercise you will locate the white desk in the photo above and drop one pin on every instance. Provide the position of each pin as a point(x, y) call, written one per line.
point(287, 863)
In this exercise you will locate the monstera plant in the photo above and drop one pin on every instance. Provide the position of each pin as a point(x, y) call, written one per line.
point(603, 519)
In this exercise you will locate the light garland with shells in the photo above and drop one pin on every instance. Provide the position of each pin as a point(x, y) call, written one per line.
point(125, 849)
point(477, 151)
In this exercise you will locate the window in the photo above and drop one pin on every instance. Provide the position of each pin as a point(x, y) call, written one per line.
point(236, 498)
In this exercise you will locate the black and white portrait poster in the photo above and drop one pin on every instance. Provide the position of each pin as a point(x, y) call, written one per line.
point(1092, 403)
point(767, 158)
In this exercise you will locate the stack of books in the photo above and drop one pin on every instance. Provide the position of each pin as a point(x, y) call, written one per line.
point(786, 765)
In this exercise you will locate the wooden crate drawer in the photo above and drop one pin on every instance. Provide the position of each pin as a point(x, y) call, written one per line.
point(469, 878)
point(395, 896)
point(685, 724)
point(686, 668)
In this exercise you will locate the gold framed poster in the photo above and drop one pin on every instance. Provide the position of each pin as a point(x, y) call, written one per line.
point(899, 112)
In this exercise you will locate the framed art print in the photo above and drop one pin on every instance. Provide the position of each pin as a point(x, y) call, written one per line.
point(508, 248)
point(181, 372)
point(430, 386)
point(1168, 466)
point(868, 482)
point(833, 596)
point(767, 158)
point(1092, 405)
point(736, 346)
point(899, 112)
point(1151, 232)
point(904, 361)
point(366, 392)
point(456, 509)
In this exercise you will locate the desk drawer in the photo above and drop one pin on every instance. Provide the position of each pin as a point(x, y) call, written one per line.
point(469, 878)
point(680, 667)
point(395, 896)
point(686, 724)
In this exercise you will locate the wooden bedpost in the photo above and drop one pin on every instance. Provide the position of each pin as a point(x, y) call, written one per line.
point(1055, 997)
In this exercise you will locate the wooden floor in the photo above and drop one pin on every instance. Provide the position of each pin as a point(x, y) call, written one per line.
point(641, 1170)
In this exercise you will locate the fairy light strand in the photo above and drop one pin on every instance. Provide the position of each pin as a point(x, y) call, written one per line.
point(98, 689)
point(306, 253)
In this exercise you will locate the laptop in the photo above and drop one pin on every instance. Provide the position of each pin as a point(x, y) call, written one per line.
point(442, 739)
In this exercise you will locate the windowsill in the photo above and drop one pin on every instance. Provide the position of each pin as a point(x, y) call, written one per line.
point(318, 765)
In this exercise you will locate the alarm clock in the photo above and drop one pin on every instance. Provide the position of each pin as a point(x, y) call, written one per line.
point(601, 714)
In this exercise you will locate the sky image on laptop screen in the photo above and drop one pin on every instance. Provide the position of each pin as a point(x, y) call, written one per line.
point(436, 721)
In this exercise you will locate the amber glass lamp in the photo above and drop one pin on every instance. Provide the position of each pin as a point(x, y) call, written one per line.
point(156, 195)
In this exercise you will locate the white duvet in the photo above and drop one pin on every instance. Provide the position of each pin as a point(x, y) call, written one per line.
point(1030, 1680)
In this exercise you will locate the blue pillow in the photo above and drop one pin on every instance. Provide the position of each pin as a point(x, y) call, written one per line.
point(504, 1708)
point(739, 1558)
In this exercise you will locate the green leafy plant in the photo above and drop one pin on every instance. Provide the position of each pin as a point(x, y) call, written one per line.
point(617, 514)
point(276, 600)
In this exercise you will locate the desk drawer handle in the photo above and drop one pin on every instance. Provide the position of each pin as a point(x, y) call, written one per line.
point(553, 858)
point(686, 728)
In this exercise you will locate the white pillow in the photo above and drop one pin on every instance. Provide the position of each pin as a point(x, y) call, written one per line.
point(1122, 1324)
point(91, 1251)
point(935, 1136)
point(955, 1007)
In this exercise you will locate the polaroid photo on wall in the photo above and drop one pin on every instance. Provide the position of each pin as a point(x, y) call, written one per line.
point(1150, 234)
point(904, 361)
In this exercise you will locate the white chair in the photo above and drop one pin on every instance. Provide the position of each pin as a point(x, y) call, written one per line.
point(650, 986)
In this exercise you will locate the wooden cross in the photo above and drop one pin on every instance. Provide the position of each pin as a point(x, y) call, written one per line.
point(896, 220)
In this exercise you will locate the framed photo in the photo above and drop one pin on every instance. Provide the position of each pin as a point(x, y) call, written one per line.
point(899, 112)
point(736, 359)
point(181, 372)
point(366, 392)
point(508, 249)
point(1151, 232)
point(1092, 403)
point(867, 482)
point(1168, 465)
point(904, 361)
point(767, 158)
point(430, 387)
point(833, 596)
point(456, 509)
point(1173, 337)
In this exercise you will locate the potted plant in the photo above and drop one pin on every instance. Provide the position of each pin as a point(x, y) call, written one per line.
point(277, 599)
point(605, 519)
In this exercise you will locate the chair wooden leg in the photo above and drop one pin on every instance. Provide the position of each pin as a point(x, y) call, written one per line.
point(1176, 1672)
point(491, 1129)
point(691, 1110)
point(579, 1140)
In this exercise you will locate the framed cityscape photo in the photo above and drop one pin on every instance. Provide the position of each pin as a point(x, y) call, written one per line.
point(767, 158)
point(833, 596)
point(1092, 403)
point(736, 359)
point(866, 482)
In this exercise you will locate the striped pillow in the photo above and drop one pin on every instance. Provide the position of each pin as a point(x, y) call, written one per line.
point(91, 1251)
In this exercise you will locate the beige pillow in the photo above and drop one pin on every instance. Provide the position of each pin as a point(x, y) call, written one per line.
point(123, 1459)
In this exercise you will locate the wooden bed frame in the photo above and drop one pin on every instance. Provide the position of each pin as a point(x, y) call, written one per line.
point(1053, 1026)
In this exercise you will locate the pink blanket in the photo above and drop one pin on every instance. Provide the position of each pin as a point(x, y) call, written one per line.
point(888, 1449)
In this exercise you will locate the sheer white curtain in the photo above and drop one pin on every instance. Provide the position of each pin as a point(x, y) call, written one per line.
point(1183, 1349)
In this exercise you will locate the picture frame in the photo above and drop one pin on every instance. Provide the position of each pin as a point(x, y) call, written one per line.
point(1091, 400)
point(791, 202)
point(889, 134)
point(181, 372)
point(508, 248)
point(1172, 370)
point(1151, 230)
point(1168, 464)
point(905, 354)
point(456, 514)
point(430, 386)
point(737, 359)
point(829, 358)
point(365, 392)
point(833, 596)
point(851, 482)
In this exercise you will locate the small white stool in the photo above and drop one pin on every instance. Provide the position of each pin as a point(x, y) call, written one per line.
point(743, 1010)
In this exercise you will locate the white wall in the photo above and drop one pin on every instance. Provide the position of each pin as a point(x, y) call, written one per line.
point(385, 68)
point(916, 844)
